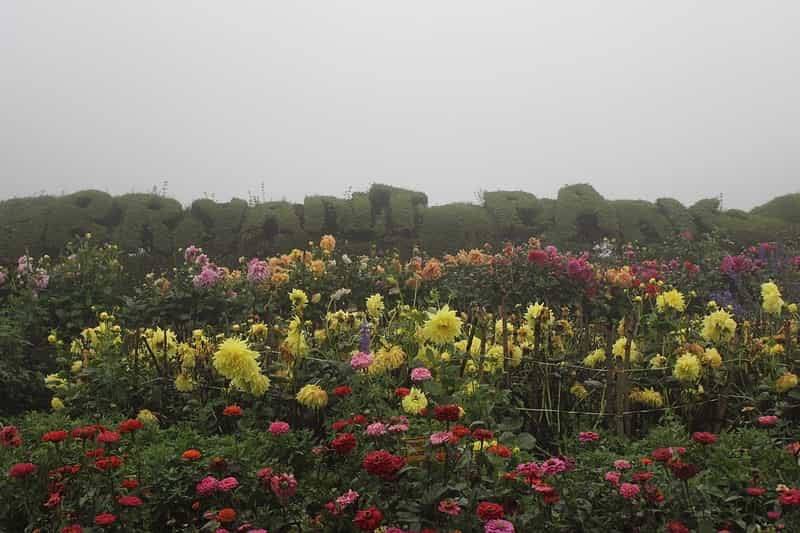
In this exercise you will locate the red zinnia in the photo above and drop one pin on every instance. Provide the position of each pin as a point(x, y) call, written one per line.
point(233, 410)
point(756, 491)
point(790, 498)
point(447, 413)
point(84, 432)
point(460, 431)
point(130, 501)
point(704, 437)
point(383, 464)
point(490, 511)
point(340, 425)
point(344, 443)
point(55, 436)
point(191, 455)
point(127, 426)
point(662, 454)
point(675, 526)
point(482, 434)
point(368, 519)
point(342, 391)
point(10, 437)
point(226, 515)
point(402, 391)
point(130, 483)
point(105, 519)
point(21, 470)
point(360, 420)
point(112, 461)
point(684, 471)
point(108, 437)
point(74, 528)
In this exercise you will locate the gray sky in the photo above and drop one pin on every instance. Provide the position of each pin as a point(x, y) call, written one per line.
point(642, 99)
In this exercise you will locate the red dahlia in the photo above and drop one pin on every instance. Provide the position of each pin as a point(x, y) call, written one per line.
point(20, 470)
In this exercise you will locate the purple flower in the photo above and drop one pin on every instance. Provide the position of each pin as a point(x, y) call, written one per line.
point(208, 277)
point(364, 338)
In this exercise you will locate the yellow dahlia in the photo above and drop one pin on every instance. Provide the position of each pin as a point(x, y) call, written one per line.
point(687, 368)
point(718, 326)
point(671, 299)
point(312, 396)
point(712, 358)
point(375, 306)
point(415, 401)
point(771, 298)
point(443, 326)
point(786, 382)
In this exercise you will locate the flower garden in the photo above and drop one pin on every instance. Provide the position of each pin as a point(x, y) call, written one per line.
point(519, 388)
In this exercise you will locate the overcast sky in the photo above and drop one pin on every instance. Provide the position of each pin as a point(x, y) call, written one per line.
point(642, 99)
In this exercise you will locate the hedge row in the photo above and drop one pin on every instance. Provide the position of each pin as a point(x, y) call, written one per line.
point(383, 216)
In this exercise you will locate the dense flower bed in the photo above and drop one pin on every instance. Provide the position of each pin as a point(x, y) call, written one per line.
point(522, 390)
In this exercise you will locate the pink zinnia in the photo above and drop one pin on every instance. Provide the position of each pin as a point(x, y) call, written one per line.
point(376, 429)
point(588, 436)
point(227, 484)
point(613, 477)
point(440, 437)
point(629, 490)
point(622, 464)
point(498, 526)
point(360, 361)
point(283, 485)
point(346, 499)
point(207, 486)
point(554, 466)
point(449, 507)
point(398, 428)
point(767, 421)
point(420, 374)
point(279, 427)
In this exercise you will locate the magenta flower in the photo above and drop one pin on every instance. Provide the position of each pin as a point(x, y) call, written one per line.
point(449, 507)
point(346, 499)
point(207, 486)
point(613, 477)
point(767, 421)
point(283, 486)
point(498, 526)
point(588, 436)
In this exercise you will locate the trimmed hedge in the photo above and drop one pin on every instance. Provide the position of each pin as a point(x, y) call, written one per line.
point(383, 217)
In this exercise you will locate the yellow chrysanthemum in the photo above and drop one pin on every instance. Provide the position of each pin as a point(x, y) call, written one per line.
point(712, 358)
point(786, 382)
point(295, 341)
point(658, 361)
point(387, 360)
point(415, 401)
point(375, 306)
point(718, 326)
point(671, 299)
point(56, 403)
point(76, 366)
point(147, 416)
point(312, 396)
point(299, 299)
point(595, 359)
point(259, 330)
point(443, 326)
point(54, 381)
point(648, 397)
point(470, 387)
point(184, 383)
point(687, 368)
point(579, 391)
point(771, 298)
point(619, 350)
point(539, 311)
point(256, 384)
